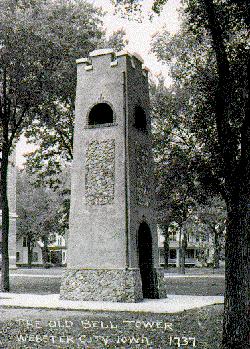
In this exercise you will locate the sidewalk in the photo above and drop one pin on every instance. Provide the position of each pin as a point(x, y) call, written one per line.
point(171, 275)
point(58, 273)
point(52, 272)
point(166, 275)
point(25, 275)
point(172, 304)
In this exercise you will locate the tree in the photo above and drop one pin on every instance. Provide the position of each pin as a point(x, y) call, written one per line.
point(213, 216)
point(39, 213)
point(39, 43)
point(180, 185)
point(208, 222)
point(225, 24)
point(53, 133)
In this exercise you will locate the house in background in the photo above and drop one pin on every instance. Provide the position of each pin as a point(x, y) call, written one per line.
point(199, 250)
point(57, 252)
point(22, 252)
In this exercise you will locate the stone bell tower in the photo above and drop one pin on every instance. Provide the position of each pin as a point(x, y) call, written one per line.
point(112, 243)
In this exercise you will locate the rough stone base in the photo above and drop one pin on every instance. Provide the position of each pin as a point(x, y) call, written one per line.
point(102, 285)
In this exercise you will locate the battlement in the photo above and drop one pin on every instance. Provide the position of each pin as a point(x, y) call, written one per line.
point(109, 56)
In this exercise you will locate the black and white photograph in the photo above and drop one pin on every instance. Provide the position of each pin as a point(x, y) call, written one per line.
point(124, 174)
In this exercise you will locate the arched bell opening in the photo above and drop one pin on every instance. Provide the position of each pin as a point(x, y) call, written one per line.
point(146, 265)
point(140, 119)
point(101, 114)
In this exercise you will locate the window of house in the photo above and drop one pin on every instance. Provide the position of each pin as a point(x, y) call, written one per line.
point(172, 254)
point(101, 114)
point(25, 241)
point(172, 236)
point(190, 253)
point(35, 257)
point(18, 256)
point(140, 119)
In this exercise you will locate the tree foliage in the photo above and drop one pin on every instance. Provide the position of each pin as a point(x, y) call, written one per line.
point(38, 41)
point(39, 210)
point(208, 223)
point(178, 154)
point(220, 115)
point(179, 165)
point(53, 132)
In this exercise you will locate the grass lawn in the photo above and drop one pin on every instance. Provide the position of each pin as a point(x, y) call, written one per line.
point(199, 286)
point(34, 328)
point(197, 271)
point(39, 285)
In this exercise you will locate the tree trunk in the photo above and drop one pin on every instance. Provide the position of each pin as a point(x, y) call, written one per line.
point(30, 251)
point(216, 256)
point(184, 249)
point(237, 185)
point(5, 283)
point(45, 252)
point(166, 245)
point(166, 252)
point(236, 317)
point(236, 308)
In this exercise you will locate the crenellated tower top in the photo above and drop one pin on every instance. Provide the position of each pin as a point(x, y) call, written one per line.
point(113, 59)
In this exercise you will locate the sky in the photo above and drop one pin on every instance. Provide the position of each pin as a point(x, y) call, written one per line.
point(139, 36)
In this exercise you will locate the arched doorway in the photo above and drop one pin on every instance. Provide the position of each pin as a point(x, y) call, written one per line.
point(148, 277)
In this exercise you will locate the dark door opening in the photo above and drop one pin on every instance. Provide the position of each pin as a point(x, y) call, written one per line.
point(148, 276)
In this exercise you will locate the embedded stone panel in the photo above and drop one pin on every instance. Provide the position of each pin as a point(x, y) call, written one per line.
point(100, 172)
point(102, 285)
point(143, 180)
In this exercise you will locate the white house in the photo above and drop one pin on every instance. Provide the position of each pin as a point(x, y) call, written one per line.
point(57, 252)
point(199, 250)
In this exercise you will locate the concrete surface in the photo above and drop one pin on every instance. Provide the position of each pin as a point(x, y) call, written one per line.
point(172, 304)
